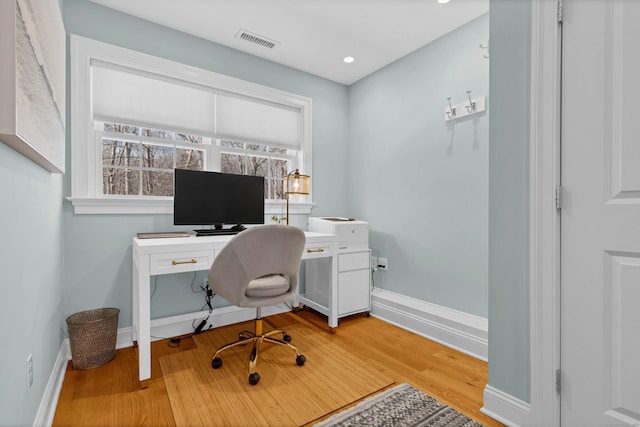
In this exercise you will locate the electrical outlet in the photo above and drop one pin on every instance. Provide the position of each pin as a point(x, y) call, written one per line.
point(383, 264)
point(374, 262)
point(29, 371)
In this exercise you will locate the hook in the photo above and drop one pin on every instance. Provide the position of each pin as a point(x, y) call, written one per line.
point(452, 111)
point(486, 55)
point(472, 105)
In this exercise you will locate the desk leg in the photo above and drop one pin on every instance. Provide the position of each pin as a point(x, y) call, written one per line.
point(333, 291)
point(135, 286)
point(142, 317)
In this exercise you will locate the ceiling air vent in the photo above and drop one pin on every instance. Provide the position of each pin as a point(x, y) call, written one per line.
point(254, 38)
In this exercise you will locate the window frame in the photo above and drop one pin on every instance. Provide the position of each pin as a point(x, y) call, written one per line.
point(86, 168)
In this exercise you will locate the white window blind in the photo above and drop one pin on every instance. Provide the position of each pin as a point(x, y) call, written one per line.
point(252, 120)
point(135, 97)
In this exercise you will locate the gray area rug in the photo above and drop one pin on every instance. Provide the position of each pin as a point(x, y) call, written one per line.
point(400, 406)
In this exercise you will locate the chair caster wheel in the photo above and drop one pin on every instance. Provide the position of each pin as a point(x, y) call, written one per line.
point(286, 338)
point(254, 378)
point(300, 360)
point(216, 363)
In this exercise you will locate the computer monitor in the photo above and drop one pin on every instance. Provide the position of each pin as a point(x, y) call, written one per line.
point(215, 199)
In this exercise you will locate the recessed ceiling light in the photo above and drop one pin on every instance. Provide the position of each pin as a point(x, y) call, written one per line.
point(443, 1)
point(349, 59)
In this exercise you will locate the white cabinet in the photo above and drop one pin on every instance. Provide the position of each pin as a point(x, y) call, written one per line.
point(354, 268)
point(354, 282)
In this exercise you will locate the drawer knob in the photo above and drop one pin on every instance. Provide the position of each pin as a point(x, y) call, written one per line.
point(192, 261)
point(315, 250)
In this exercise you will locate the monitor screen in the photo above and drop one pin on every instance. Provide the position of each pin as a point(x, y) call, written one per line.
point(214, 198)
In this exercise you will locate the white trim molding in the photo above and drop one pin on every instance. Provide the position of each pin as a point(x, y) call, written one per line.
point(505, 408)
point(164, 206)
point(49, 401)
point(461, 331)
point(544, 231)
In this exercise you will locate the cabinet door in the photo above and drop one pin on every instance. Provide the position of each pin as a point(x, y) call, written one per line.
point(353, 292)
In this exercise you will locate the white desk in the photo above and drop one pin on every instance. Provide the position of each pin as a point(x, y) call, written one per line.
point(153, 257)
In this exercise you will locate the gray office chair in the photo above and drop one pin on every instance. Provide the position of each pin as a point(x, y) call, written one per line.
point(258, 267)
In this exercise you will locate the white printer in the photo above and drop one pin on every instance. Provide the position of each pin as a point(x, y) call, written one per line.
point(352, 234)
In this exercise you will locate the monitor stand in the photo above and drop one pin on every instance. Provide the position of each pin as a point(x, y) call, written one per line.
point(219, 231)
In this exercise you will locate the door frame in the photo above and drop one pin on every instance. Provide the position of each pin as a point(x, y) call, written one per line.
point(544, 220)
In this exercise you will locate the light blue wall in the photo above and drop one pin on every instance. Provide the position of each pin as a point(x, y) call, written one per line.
point(55, 263)
point(98, 247)
point(31, 263)
point(421, 182)
point(509, 360)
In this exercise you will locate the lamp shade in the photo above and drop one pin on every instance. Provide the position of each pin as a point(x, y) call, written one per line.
point(296, 183)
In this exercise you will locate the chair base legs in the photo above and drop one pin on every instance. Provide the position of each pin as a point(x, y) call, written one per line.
point(257, 338)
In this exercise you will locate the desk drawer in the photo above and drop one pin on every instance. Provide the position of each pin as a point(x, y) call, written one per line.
point(177, 262)
point(316, 251)
point(354, 261)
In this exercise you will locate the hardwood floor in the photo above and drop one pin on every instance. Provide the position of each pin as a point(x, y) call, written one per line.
point(110, 395)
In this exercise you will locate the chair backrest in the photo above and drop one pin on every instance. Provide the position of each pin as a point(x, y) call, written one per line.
point(257, 252)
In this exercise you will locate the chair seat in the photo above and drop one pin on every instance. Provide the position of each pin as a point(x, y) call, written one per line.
point(270, 285)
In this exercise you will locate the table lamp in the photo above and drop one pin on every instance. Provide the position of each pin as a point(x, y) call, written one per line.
point(295, 183)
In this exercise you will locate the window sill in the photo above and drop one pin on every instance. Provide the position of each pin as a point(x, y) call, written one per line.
point(164, 206)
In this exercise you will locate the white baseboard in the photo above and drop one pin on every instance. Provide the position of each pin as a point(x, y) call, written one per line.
point(505, 408)
point(49, 401)
point(461, 331)
point(220, 317)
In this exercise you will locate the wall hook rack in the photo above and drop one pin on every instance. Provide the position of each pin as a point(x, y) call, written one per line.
point(486, 55)
point(464, 109)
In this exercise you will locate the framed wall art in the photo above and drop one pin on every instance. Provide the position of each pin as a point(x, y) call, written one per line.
point(32, 80)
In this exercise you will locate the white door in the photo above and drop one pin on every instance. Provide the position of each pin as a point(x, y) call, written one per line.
point(600, 273)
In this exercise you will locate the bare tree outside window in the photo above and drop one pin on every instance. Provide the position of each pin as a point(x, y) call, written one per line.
point(139, 161)
point(279, 169)
point(257, 160)
point(232, 163)
point(145, 166)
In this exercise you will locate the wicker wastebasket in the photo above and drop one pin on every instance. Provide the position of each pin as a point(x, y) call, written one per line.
point(92, 335)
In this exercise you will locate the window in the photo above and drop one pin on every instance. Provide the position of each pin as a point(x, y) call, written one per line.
point(139, 161)
point(136, 117)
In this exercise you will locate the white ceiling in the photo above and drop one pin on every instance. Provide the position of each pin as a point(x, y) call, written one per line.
point(314, 35)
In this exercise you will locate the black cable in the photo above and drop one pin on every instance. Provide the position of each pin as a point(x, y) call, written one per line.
point(172, 342)
point(195, 276)
point(155, 286)
point(208, 297)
